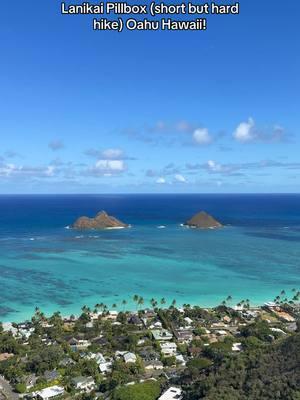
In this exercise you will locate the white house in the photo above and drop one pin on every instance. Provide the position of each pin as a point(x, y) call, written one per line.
point(127, 356)
point(168, 349)
point(49, 393)
point(172, 393)
point(161, 334)
point(105, 367)
point(86, 384)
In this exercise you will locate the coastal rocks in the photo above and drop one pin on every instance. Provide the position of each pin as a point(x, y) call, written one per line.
point(101, 221)
point(202, 220)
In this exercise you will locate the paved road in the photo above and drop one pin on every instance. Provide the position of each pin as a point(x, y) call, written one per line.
point(6, 390)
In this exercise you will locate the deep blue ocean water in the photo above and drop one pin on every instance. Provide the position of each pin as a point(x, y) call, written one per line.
point(255, 256)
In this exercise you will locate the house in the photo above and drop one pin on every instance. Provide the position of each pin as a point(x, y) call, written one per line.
point(66, 361)
point(112, 315)
point(105, 367)
point(148, 354)
point(168, 349)
point(98, 357)
point(83, 383)
point(127, 356)
point(161, 334)
point(153, 365)
point(184, 335)
point(51, 375)
point(135, 320)
point(172, 393)
point(79, 344)
point(8, 327)
point(49, 393)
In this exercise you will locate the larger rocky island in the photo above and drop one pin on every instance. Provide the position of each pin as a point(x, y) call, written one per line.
point(202, 220)
point(101, 221)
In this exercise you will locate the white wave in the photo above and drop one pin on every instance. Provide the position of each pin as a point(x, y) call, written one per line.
point(115, 227)
point(161, 227)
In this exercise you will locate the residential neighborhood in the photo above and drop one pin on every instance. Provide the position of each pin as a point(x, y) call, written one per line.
point(109, 354)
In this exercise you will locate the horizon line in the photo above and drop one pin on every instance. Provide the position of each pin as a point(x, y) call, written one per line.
point(149, 193)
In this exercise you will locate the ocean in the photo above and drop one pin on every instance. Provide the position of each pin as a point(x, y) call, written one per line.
point(43, 264)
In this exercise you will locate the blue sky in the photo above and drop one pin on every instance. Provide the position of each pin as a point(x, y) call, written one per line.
point(97, 112)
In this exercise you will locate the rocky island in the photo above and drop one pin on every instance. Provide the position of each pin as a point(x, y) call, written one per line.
point(202, 220)
point(101, 221)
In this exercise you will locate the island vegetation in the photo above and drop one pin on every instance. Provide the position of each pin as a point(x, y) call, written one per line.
point(101, 221)
point(202, 220)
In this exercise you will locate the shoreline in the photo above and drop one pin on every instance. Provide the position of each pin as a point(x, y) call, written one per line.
point(134, 310)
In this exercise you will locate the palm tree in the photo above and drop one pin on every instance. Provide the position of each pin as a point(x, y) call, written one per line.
point(229, 298)
point(136, 299)
point(174, 302)
point(140, 301)
point(163, 301)
point(114, 305)
point(282, 293)
point(124, 302)
point(153, 302)
point(84, 309)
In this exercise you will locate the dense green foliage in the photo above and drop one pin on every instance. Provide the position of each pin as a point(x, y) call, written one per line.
point(265, 373)
point(140, 391)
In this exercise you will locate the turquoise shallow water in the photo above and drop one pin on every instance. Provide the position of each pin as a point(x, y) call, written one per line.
point(44, 264)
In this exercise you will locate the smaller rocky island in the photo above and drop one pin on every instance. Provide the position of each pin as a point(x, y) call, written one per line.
point(101, 221)
point(202, 220)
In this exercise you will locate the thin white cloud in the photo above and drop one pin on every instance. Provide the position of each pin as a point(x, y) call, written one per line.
point(180, 178)
point(108, 154)
point(109, 167)
point(161, 180)
point(113, 154)
point(10, 170)
point(202, 137)
point(245, 131)
point(214, 166)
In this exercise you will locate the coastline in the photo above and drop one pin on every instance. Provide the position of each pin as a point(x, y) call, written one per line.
point(62, 271)
point(131, 307)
